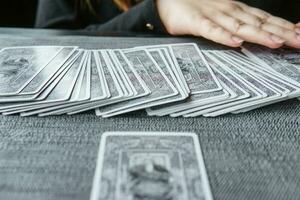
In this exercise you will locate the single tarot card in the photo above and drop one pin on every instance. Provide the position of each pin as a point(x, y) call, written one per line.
point(63, 89)
point(19, 65)
point(150, 165)
point(158, 83)
point(197, 72)
point(53, 67)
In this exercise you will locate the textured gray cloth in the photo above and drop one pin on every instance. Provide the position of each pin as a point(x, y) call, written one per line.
point(255, 155)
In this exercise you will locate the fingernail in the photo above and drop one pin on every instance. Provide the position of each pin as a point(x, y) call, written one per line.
point(297, 30)
point(277, 39)
point(298, 37)
point(237, 39)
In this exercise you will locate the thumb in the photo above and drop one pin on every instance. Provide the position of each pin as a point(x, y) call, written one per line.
point(298, 24)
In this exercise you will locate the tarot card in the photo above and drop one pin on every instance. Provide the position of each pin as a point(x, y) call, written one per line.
point(150, 165)
point(275, 85)
point(192, 102)
point(51, 69)
point(122, 76)
point(198, 74)
point(268, 92)
point(115, 91)
point(233, 83)
point(97, 86)
point(118, 75)
point(275, 77)
point(160, 60)
point(166, 51)
point(267, 59)
point(235, 91)
point(81, 92)
point(62, 90)
point(231, 95)
point(152, 75)
point(15, 102)
point(136, 81)
point(19, 65)
point(265, 78)
point(176, 71)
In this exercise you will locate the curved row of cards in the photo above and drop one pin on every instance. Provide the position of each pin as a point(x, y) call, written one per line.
point(174, 79)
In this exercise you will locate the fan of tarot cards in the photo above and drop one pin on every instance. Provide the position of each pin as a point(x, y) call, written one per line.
point(174, 79)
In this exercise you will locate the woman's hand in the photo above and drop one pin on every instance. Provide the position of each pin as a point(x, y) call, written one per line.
point(227, 22)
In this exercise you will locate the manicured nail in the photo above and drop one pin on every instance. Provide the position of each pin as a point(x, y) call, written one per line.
point(237, 39)
point(297, 30)
point(277, 39)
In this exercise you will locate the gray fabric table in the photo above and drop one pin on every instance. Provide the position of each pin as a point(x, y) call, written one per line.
point(255, 155)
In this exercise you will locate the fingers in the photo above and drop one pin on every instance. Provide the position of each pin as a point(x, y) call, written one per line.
point(266, 17)
point(268, 30)
point(210, 30)
point(288, 35)
point(245, 17)
point(256, 35)
point(277, 26)
point(291, 38)
point(297, 28)
point(247, 32)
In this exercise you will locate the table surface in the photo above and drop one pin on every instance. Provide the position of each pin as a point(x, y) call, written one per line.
point(255, 155)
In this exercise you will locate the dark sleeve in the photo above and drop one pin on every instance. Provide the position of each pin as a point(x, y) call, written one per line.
point(141, 18)
point(291, 11)
point(58, 14)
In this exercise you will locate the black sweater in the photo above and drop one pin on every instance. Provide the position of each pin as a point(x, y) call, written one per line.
point(63, 14)
point(141, 18)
